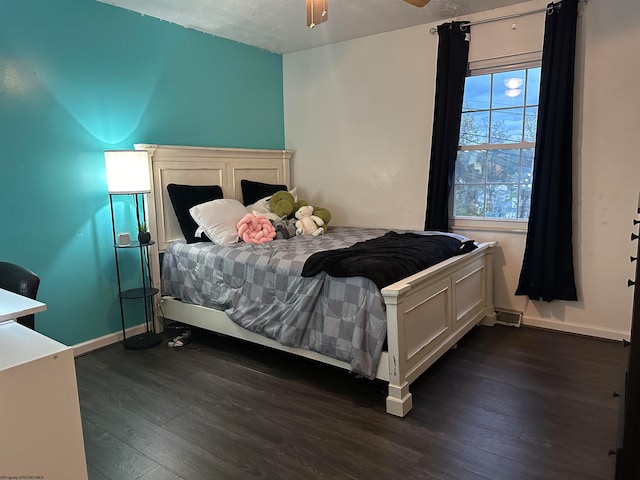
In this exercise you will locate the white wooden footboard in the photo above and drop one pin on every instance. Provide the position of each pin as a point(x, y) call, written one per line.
point(429, 312)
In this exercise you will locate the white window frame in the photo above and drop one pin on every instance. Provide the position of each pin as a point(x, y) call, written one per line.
point(482, 67)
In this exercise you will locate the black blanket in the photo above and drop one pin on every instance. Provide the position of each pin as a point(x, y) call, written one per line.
point(387, 259)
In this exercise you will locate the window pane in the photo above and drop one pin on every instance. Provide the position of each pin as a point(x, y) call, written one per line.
point(507, 125)
point(533, 85)
point(477, 93)
point(502, 201)
point(474, 128)
point(469, 201)
point(525, 201)
point(526, 166)
point(530, 124)
point(508, 89)
point(503, 166)
point(470, 166)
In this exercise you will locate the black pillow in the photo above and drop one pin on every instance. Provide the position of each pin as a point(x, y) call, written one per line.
point(254, 191)
point(183, 197)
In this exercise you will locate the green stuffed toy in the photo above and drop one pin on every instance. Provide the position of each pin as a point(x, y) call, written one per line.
point(324, 214)
point(282, 204)
point(297, 205)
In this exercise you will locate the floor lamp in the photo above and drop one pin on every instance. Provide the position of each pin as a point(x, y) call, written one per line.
point(128, 174)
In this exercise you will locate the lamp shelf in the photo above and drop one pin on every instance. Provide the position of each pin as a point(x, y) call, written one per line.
point(139, 293)
point(135, 245)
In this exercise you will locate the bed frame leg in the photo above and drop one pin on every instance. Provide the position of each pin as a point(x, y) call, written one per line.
point(399, 401)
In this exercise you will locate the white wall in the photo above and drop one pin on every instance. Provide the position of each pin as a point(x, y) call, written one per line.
point(359, 114)
point(351, 113)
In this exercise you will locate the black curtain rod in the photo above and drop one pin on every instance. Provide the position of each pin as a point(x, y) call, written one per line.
point(548, 9)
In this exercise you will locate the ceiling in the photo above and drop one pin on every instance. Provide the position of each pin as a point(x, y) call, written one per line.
point(280, 25)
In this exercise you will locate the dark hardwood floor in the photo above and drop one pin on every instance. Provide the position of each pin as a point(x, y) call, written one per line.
point(507, 404)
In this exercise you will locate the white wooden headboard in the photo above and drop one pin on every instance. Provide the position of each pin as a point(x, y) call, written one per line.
point(205, 166)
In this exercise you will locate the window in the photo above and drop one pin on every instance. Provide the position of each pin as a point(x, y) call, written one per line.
point(494, 166)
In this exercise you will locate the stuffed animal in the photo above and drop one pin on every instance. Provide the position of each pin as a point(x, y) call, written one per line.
point(324, 214)
point(285, 228)
point(282, 204)
point(307, 223)
point(297, 205)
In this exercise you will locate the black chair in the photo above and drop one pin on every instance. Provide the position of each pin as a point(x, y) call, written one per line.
point(17, 279)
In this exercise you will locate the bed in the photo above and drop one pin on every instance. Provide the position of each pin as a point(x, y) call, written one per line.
point(426, 314)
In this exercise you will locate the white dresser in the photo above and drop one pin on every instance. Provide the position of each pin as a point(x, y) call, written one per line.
point(40, 425)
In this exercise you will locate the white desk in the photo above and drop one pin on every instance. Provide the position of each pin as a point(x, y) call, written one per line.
point(13, 305)
point(40, 425)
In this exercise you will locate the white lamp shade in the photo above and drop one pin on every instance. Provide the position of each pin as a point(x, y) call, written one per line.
point(127, 171)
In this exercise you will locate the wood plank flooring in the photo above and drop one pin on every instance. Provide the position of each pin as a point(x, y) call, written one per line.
point(507, 404)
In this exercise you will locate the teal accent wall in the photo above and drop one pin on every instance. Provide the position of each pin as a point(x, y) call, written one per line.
point(78, 77)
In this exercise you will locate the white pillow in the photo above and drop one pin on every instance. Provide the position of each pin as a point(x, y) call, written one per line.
point(218, 219)
point(267, 215)
point(261, 206)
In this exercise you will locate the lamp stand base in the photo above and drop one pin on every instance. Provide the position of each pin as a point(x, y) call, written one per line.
point(142, 341)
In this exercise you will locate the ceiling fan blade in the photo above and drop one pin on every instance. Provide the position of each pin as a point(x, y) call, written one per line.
point(417, 3)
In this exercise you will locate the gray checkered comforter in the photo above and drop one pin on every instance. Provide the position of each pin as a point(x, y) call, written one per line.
point(260, 288)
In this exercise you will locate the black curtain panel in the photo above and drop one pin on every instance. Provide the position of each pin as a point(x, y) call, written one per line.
point(453, 53)
point(547, 269)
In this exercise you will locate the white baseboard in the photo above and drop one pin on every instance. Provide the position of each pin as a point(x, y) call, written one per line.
point(577, 328)
point(599, 332)
point(94, 344)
